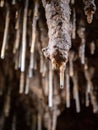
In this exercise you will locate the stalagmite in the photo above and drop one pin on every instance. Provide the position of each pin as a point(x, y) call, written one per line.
point(89, 9)
point(58, 17)
point(5, 37)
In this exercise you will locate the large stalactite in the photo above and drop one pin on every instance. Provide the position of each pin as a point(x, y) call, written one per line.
point(58, 20)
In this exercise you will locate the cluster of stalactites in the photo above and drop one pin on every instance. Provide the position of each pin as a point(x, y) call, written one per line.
point(57, 51)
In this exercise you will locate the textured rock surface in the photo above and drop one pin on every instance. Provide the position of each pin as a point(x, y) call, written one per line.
point(58, 21)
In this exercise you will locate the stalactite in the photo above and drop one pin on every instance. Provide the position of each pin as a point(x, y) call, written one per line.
point(23, 54)
point(67, 88)
point(62, 70)
point(74, 24)
point(17, 27)
point(89, 9)
point(31, 66)
point(35, 64)
point(29, 24)
point(17, 19)
point(82, 53)
point(39, 122)
point(5, 38)
point(13, 2)
point(71, 59)
point(76, 92)
point(47, 120)
point(89, 91)
point(7, 104)
point(81, 33)
point(50, 102)
point(92, 48)
point(72, 1)
point(2, 3)
point(33, 122)
point(14, 123)
point(59, 33)
point(2, 120)
point(16, 60)
point(23, 48)
point(55, 114)
point(93, 101)
point(22, 80)
point(34, 24)
point(27, 85)
point(43, 67)
point(55, 109)
point(19, 63)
